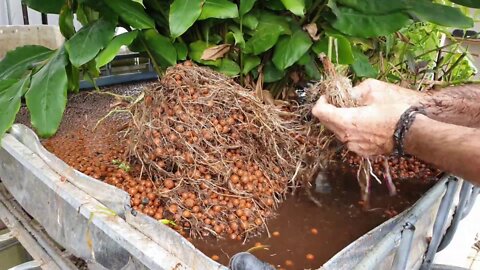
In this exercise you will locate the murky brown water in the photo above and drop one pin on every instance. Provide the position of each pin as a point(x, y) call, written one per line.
point(338, 222)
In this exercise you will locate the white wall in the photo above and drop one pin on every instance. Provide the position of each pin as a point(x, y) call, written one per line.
point(16, 16)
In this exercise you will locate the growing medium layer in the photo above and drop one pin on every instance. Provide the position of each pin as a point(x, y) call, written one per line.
point(219, 158)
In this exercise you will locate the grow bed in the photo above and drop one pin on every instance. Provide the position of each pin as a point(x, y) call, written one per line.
point(301, 236)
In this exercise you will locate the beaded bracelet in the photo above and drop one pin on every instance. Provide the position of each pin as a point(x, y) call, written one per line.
point(402, 127)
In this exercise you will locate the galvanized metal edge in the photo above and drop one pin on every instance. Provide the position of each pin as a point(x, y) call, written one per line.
point(114, 198)
point(75, 219)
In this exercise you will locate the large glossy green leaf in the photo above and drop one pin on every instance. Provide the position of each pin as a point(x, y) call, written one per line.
point(228, 67)
point(361, 66)
point(182, 50)
point(160, 47)
point(196, 51)
point(467, 3)
point(221, 9)
point(87, 42)
point(47, 97)
point(269, 29)
point(10, 99)
point(65, 22)
point(73, 74)
point(297, 7)
point(45, 6)
point(375, 6)
point(311, 68)
point(274, 4)
point(237, 36)
point(246, 6)
point(5, 83)
point(291, 48)
point(250, 21)
point(183, 13)
point(271, 73)
point(16, 62)
point(107, 54)
point(132, 13)
point(250, 62)
point(357, 24)
point(341, 50)
point(440, 14)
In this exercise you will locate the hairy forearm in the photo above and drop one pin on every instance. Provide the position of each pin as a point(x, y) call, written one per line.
point(458, 105)
point(451, 148)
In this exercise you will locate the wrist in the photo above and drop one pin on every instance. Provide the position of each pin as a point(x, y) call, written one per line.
point(403, 127)
point(410, 143)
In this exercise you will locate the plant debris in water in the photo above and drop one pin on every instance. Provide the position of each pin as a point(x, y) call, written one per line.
point(219, 158)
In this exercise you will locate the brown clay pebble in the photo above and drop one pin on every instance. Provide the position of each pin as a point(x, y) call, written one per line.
point(215, 257)
point(276, 233)
point(314, 231)
point(288, 263)
point(310, 257)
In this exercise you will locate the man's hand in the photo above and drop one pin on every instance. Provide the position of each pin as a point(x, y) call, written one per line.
point(373, 91)
point(368, 130)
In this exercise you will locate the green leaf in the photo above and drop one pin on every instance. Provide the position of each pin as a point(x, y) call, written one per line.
point(440, 14)
point(228, 67)
point(237, 35)
point(45, 6)
point(182, 50)
point(341, 48)
point(269, 29)
point(87, 42)
point(73, 74)
point(274, 4)
point(109, 53)
point(291, 48)
point(250, 21)
point(297, 7)
point(10, 99)
point(196, 52)
point(65, 22)
point(246, 6)
point(467, 3)
point(221, 9)
point(17, 62)
point(183, 13)
point(311, 68)
point(250, 62)
point(357, 24)
point(132, 13)
point(271, 73)
point(5, 83)
point(160, 47)
point(47, 97)
point(361, 66)
point(375, 6)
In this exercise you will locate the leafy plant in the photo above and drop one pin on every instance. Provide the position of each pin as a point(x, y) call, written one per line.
point(241, 38)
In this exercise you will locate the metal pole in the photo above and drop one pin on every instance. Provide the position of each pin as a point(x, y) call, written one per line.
point(9, 13)
point(457, 216)
point(25, 14)
point(401, 257)
point(44, 19)
point(440, 220)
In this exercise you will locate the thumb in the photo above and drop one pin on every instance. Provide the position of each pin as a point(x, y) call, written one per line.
point(323, 110)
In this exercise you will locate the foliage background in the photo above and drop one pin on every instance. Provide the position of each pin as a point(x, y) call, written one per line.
point(273, 42)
